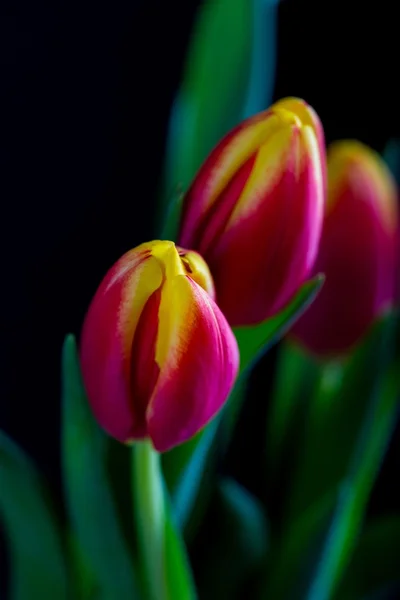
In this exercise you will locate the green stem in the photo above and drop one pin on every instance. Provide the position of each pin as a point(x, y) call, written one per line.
point(149, 511)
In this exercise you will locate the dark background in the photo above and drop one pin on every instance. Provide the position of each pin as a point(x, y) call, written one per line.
point(85, 98)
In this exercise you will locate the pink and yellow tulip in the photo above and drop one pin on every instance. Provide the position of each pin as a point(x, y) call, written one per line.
point(158, 357)
point(255, 210)
point(357, 251)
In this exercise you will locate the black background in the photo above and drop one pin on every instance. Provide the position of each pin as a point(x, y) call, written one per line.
point(85, 97)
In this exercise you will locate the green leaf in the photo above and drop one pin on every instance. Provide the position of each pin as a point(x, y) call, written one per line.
point(262, 71)
point(38, 568)
point(169, 230)
point(336, 412)
point(88, 490)
point(295, 550)
point(184, 468)
point(240, 543)
point(185, 465)
point(355, 490)
point(214, 87)
point(375, 563)
point(296, 376)
point(337, 469)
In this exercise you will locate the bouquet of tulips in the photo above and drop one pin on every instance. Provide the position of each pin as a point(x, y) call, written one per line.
point(268, 237)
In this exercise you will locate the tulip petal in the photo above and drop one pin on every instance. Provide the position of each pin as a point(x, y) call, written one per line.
point(225, 160)
point(198, 359)
point(107, 336)
point(308, 117)
point(197, 269)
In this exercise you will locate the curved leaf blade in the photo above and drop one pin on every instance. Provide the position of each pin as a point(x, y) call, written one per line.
point(356, 488)
point(210, 101)
point(90, 503)
point(38, 567)
point(339, 404)
point(262, 72)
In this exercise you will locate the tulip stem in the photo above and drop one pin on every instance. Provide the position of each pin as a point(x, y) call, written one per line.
point(148, 494)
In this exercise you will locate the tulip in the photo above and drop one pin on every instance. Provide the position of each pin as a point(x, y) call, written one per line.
point(158, 357)
point(255, 210)
point(357, 252)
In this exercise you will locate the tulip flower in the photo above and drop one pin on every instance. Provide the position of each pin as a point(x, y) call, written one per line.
point(157, 355)
point(255, 210)
point(357, 251)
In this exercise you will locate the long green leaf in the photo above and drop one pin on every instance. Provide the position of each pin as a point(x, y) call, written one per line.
point(90, 502)
point(295, 550)
point(296, 376)
point(38, 568)
point(262, 72)
point(356, 488)
point(336, 412)
point(184, 466)
point(214, 87)
point(225, 81)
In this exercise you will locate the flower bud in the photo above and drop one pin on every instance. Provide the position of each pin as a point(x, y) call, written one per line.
point(158, 357)
point(357, 251)
point(255, 209)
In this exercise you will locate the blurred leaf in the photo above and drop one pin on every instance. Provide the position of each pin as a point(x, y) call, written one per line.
point(262, 72)
point(356, 488)
point(336, 412)
point(343, 401)
point(295, 551)
point(87, 487)
point(169, 230)
point(375, 564)
point(296, 376)
point(211, 98)
point(37, 562)
point(240, 543)
point(391, 156)
point(184, 466)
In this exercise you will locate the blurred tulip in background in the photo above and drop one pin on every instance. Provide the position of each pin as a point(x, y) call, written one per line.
point(357, 251)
